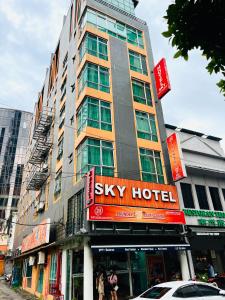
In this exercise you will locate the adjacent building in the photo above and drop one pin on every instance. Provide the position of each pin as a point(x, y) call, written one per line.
point(97, 186)
point(202, 197)
point(14, 134)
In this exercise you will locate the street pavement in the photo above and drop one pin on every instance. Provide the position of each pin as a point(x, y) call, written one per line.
point(6, 293)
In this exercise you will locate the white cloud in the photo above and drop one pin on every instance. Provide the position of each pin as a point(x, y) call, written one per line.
point(33, 28)
point(7, 9)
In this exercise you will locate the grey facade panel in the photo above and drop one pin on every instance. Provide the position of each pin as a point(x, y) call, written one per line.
point(126, 142)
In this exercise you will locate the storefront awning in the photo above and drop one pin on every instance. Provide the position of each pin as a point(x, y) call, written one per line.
point(35, 250)
point(138, 248)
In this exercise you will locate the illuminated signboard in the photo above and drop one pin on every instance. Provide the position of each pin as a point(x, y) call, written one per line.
point(135, 214)
point(176, 158)
point(161, 78)
point(117, 191)
point(123, 200)
point(39, 236)
point(90, 188)
point(205, 217)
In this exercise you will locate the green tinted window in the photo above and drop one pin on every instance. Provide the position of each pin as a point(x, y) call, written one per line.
point(94, 113)
point(125, 5)
point(113, 27)
point(141, 92)
point(151, 166)
point(40, 279)
point(53, 268)
point(94, 76)
point(146, 128)
point(93, 45)
point(95, 153)
point(138, 62)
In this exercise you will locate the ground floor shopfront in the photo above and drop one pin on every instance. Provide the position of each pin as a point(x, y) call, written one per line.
point(208, 247)
point(137, 266)
point(68, 270)
point(39, 273)
point(206, 235)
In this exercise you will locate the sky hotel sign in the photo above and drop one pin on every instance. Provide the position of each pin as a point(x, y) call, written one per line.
point(123, 200)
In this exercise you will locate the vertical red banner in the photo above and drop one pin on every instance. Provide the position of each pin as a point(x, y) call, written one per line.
point(162, 78)
point(176, 157)
point(90, 188)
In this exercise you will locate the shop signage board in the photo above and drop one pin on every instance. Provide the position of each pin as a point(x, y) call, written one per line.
point(204, 217)
point(90, 188)
point(138, 248)
point(39, 236)
point(125, 192)
point(135, 214)
point(161, 78)
point(124, 200)
point(176, 157)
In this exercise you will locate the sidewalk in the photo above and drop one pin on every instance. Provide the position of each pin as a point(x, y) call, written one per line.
point(7, 293)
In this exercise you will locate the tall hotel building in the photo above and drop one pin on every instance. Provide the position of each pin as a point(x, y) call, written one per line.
point(98, 123)
point(14, 135)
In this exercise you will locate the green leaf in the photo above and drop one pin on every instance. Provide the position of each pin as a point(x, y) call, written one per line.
point(174, 41)
point(166, 34)
point(221, 85)
point(177, 54)
point(185, 57)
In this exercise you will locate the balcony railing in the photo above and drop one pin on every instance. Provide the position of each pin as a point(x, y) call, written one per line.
point(37, 178)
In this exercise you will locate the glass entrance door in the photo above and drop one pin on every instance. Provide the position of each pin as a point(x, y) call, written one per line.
point(77, 275)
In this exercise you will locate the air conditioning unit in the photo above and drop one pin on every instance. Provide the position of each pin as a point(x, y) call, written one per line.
point(45, 167)
point(40, 206)
point(31, 260)
point(41, 258)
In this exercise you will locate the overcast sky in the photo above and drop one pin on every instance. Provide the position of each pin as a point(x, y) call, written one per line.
point(29, 30)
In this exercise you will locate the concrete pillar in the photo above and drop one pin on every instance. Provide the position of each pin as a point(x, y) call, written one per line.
point(184, 266)
point(211, 207)
point(195, 197)
point(180, 196)
point(88, 271)
point(191, 264)
point(64, 264)
point(130, 274)
point(222, 199)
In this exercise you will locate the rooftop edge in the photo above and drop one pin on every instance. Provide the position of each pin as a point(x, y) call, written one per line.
point(209, 137)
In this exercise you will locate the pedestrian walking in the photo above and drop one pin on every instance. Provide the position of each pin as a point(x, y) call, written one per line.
point(101, 281)
point(113, 282)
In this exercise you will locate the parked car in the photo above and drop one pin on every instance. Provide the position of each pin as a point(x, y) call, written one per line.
point(177, 290)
